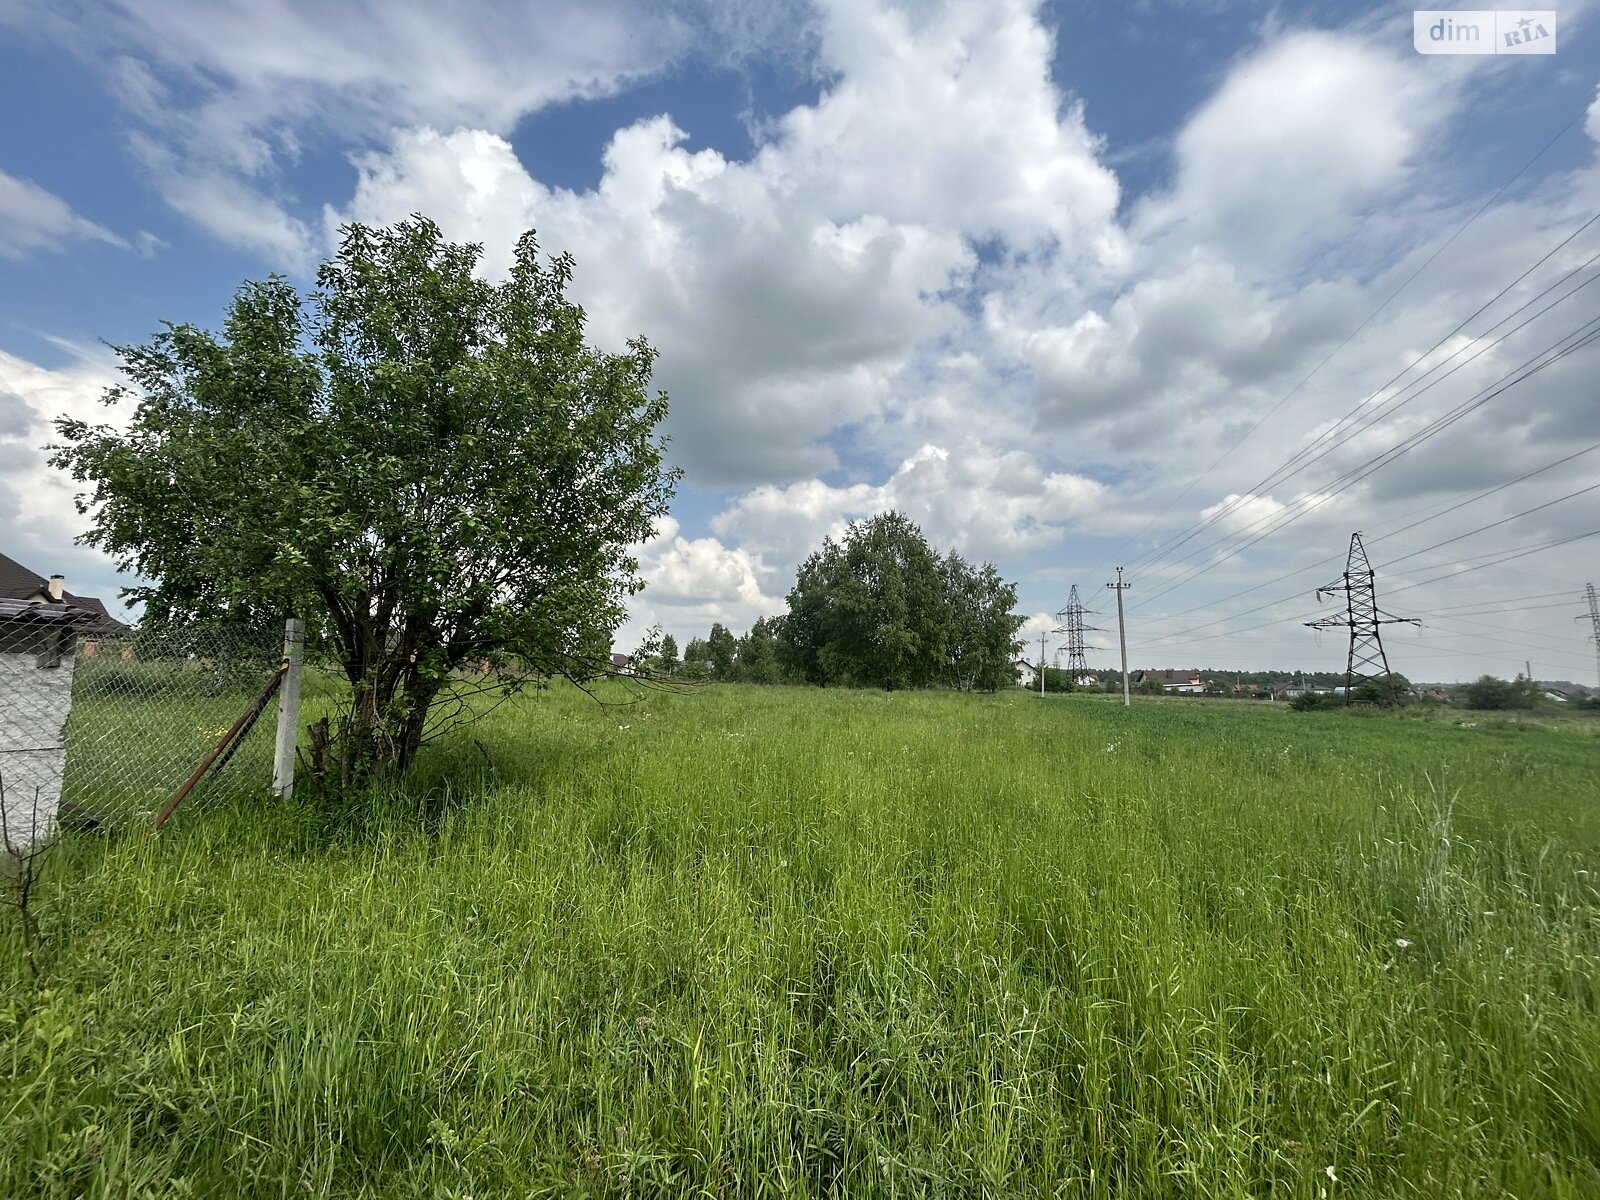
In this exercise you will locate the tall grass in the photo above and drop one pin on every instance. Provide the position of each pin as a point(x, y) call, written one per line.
point(773, 942)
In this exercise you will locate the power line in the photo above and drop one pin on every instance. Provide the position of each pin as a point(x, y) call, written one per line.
point(1485, 610)
point(1551, 642)
point(1393, 533)
point(1521, 552)
point(1184, 535)
point(1577, 537)
point(1494, 524)
point(1586, 335)
point(1387, 300)
point(1383, 458)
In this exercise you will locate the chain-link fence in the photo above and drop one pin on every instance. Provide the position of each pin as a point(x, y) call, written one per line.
point(103, 725)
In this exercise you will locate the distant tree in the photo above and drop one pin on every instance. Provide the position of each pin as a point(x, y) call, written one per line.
point(669, 654)
point(756, 659)
point(1489, 692)
point(1392, 691)
point(1151, 686)
point(1058, 680)
point(432, 468)
point(697, 657)
point(721, 649)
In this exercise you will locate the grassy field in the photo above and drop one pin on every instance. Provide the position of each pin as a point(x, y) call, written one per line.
point(778, 942)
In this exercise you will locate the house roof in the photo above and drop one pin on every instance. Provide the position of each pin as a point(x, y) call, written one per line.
point(27, 612)
point(1171, 677)
point(19, 583)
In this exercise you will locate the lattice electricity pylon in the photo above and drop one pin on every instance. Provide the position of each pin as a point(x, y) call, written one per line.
point(1594, 619)
point(1072, 614)
point(1367, 662)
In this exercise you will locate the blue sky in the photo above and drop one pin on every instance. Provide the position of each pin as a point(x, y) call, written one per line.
point(1027, 271)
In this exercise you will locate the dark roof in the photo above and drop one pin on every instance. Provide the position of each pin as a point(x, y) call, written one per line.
point(25, 611)
point(1171, 677)
point(16, 581)
point(19, 583)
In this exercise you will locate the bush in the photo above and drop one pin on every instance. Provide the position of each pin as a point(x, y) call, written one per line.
point(1311, 701)
point(1489, 693)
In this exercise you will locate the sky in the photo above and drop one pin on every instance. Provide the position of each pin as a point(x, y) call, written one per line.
point(1194, 288)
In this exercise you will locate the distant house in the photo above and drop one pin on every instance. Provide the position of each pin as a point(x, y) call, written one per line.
point(622, 664)
point(19, 583)
point(1027, 674)
point(1182, 682)
point(1296, 687)
point(1559, 696)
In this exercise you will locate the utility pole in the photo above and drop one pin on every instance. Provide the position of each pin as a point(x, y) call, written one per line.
point(1122, 633)
point(283, 754)
point(1041, 664)
point(1594, 620)
point(1367, 661)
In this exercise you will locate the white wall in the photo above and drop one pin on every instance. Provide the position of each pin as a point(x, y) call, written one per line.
point(34, 704)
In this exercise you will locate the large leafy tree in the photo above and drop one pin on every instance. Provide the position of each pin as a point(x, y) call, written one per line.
point(980, 628)
point(869, 610)
point(433, 469)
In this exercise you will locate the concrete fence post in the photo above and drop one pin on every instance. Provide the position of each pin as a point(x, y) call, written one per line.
point(294, 649)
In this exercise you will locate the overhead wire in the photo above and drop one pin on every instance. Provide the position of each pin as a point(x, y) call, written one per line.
point(1585, 335)
point(1382, 535)
point(1184, 535)
point(1387, 300)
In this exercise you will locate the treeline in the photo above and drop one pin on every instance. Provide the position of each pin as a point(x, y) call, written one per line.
point(880, 608)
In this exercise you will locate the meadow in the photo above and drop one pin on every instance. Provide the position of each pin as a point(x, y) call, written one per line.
point(784, 942)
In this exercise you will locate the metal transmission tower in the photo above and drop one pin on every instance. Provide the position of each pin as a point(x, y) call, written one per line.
point(1073, 614)
point(1367, 662)
point(1594, 619)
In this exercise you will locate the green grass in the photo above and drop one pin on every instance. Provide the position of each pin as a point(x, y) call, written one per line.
point(776, 942)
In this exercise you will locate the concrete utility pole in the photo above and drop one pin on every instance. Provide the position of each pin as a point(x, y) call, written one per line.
point(294, 653)
point(1122, 633)
point(1041, 664)
point(1594, 619)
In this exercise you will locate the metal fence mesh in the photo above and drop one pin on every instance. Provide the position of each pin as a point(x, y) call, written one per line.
point(103, 728)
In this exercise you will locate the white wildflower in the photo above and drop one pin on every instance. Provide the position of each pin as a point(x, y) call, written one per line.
point(1402, 943)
